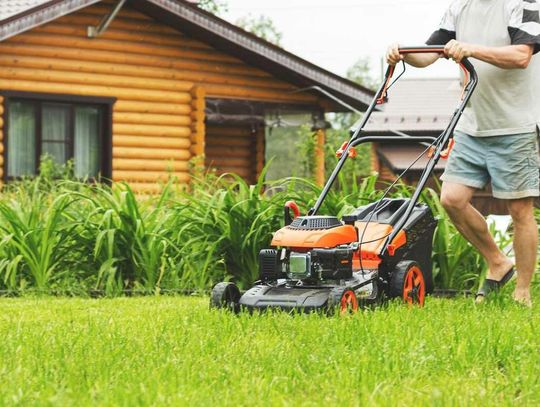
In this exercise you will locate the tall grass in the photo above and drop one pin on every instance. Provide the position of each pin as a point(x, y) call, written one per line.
point(79, 236)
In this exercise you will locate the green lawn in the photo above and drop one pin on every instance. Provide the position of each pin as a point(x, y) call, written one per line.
point(175, 351)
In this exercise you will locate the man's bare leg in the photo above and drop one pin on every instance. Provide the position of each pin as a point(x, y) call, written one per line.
point(456, 199)
point(525, 246)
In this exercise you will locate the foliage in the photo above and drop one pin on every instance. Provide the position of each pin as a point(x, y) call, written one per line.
point(360, 72)
point(173, 351)
point(262, 26)
point(62, 234)
point(216, 7)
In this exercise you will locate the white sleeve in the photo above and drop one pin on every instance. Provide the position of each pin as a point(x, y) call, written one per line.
point(524, 24)
point(447, 27)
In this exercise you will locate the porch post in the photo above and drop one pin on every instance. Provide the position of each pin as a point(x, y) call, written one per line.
point(319, 157)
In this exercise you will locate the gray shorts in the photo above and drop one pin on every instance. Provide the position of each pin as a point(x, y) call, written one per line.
point(510, 162)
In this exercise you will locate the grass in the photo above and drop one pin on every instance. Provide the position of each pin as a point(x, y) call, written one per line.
point(175, 351)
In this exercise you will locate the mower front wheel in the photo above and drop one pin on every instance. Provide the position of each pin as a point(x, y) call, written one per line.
point(342, 300)
point(225, 295)
point(407, 282)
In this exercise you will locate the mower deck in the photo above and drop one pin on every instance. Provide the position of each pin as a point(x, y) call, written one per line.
point(262, 297)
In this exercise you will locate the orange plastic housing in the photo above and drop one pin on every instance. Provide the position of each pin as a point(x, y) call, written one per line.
point(373, 236)
point(327, 238)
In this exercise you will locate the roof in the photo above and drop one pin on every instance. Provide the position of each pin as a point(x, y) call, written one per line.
point(14, 7)
point(399, 157)
point(425, 104)
point(18, 16)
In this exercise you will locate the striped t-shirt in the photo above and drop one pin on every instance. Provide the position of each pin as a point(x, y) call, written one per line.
point(503, 102)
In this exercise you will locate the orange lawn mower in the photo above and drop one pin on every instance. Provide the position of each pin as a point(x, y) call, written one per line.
point(380, 250)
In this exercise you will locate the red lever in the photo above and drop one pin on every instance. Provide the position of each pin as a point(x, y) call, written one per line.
point(446, 152)
point(292, 205)
point(352, 150)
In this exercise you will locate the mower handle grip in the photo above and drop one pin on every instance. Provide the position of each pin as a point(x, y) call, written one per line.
point(438, 49)
point(465, 64)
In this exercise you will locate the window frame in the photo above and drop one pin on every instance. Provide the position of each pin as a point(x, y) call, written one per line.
point(37, 99)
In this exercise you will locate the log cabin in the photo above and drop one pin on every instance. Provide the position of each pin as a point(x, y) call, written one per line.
point(133, 90)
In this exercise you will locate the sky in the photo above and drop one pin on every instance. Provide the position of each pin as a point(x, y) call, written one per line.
point(335, 33)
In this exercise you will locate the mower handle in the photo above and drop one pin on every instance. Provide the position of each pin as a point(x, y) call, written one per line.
point(471, 80)
point(465, 65)
point(438, 49)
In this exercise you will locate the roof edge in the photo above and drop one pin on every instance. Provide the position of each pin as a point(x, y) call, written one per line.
point(39, 15)
point(241, 38)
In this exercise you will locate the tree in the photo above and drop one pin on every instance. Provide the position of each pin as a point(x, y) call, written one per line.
point(216, 7)
point(262, 26)
point(360, 72)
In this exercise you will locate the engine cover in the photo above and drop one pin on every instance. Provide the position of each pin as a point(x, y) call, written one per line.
point(315, 231)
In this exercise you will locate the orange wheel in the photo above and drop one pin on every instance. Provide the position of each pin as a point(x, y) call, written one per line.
point(342, 299)
point(408, 283)
point(348, 303)
point(414, 289)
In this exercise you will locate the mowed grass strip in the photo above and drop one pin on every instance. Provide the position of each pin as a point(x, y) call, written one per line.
point(175, 351)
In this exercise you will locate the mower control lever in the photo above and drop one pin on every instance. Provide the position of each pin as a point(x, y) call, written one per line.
point(446, 152)
point(288, 206)
point(352, 151)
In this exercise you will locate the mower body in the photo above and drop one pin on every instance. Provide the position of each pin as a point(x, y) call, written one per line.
point(381, 250)
point(316, 258)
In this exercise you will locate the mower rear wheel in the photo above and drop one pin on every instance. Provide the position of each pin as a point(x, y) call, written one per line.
point(225, 295)
point(407, 282)
point(342, 300)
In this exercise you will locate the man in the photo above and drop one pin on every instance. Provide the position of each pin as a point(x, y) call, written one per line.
point(496, 138)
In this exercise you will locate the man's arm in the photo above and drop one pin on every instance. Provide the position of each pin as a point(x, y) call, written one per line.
point(507, 57)
point(418, 60)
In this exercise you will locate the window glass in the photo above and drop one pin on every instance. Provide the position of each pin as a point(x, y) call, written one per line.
point(21, 152)
point(55, 127)
point(86, 144)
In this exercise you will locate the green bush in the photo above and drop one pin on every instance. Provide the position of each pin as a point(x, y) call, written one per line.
point(75, 236)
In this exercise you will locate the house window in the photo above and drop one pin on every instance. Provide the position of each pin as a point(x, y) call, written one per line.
point(63, 128)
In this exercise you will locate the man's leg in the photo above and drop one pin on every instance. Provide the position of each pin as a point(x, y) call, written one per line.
point(456, 198)
point(525, 245)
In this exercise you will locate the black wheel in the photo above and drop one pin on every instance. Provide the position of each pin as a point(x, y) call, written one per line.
point(342, 300)
point(407, 282)
point(226, 296)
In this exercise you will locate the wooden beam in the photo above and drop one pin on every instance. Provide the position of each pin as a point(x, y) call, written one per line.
point(319, 157)
point(198, 128)
point(260, 148)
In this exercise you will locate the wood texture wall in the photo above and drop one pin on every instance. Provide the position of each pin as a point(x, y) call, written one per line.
point(159, 77)
point(235, 149)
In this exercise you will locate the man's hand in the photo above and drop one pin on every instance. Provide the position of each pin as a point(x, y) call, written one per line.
point(393, 57)
point(458, 50)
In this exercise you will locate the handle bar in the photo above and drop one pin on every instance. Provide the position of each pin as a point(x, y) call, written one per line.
point(471, 80)
point(465, 64)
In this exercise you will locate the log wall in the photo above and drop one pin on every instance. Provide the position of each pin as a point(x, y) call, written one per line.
point(233, 149)
point(159, 77)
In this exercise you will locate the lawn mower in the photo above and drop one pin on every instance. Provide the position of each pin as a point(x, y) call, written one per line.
point(380, 250)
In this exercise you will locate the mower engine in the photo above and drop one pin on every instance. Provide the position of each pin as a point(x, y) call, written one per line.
point(315, 266)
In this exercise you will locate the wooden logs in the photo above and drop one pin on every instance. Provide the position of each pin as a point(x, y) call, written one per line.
point(149, 176)
point(130, 164)
point(151, 153)
point(198, 128)
point(152, 119)
point(151, 130)
point(173, 143)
